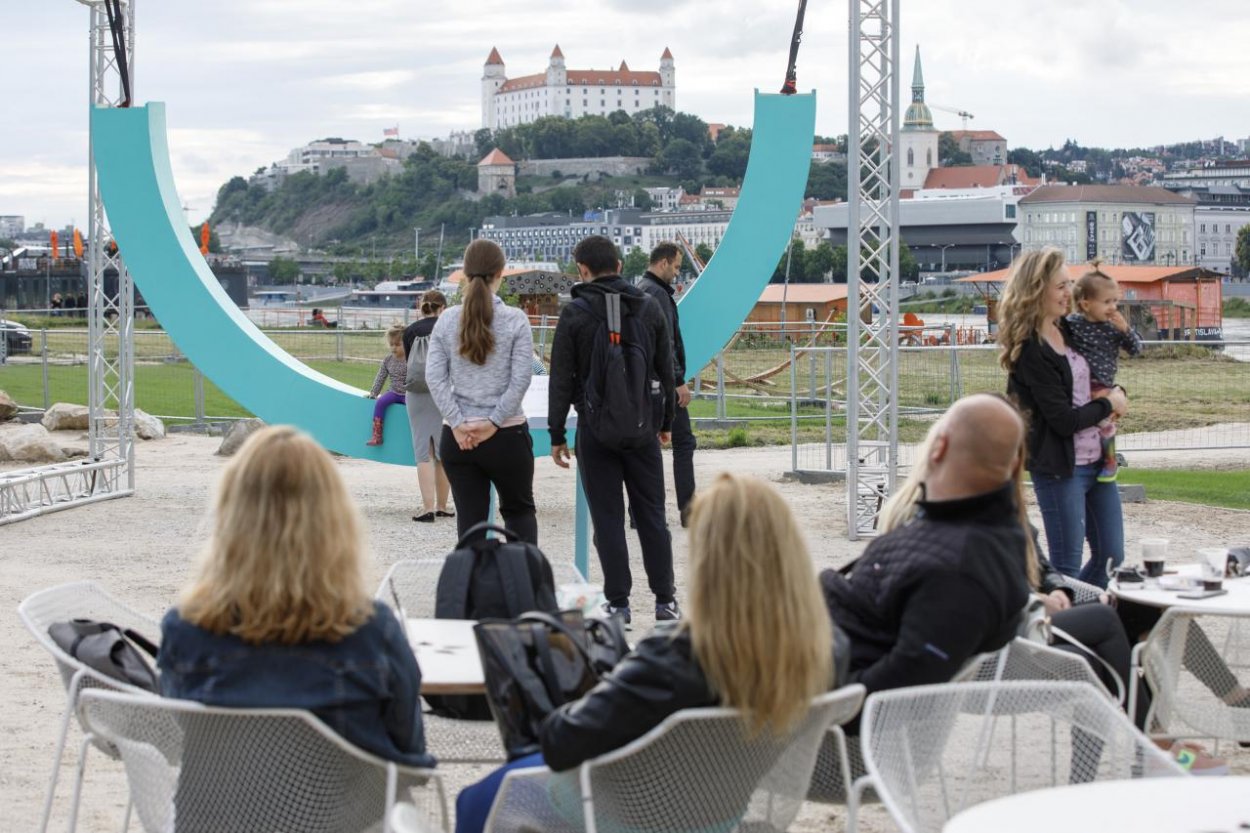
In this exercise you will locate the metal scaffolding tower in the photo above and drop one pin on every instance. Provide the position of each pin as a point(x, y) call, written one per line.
point(872, 263)
point(109, 470)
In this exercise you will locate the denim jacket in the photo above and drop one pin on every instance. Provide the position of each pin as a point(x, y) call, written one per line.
point(364, 687)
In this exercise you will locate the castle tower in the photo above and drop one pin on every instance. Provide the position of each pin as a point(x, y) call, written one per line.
point(493, 76)
point(918, 140)
point(557, 78)
point(496, 174)
point(668, 79)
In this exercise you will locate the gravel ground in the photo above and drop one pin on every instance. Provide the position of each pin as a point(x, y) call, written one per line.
point(142, 550)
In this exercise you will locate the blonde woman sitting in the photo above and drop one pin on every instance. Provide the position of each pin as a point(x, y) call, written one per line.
point(279, 615)
point(756, 637)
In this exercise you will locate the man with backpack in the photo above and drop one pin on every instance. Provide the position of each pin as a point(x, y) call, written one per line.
point(658, 283)
point(612, 359)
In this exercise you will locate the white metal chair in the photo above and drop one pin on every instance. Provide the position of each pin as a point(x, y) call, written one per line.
point(699, 770)
point(201, 769)
point(1191, 660)
point(934, 751)
point(409, 588)
point(79, 600)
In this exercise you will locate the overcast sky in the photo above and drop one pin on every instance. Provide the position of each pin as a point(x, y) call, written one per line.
point(247, 80)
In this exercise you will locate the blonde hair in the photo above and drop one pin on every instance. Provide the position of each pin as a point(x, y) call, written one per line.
point(284, 561)
point(483, 262)
point(901, 508)
point(1093, 282)
point(758, 624)
point(395, 334)
point(1022, 309)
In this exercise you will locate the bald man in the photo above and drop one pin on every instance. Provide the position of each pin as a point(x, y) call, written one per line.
point(928, 596)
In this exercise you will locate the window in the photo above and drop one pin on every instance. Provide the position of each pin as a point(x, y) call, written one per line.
point(911, 158)
point(1203, 230)
point(1011, 212)
point(1228, 228)
point(928, 157)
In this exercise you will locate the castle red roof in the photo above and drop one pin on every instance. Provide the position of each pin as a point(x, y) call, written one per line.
point(556, 53)
point(493, 57)
point(496, 157)
point(667, 56)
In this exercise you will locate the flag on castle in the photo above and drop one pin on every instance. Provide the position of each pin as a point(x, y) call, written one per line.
point(391, 131)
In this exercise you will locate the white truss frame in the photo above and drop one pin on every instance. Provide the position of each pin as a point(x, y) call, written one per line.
point(872, 263)
point(109, 470)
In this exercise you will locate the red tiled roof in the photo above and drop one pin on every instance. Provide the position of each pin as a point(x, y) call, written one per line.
point(803, 293)
point(1121, 274)
point(556, 53)
point(824, 148)
point(625, 78)
point(977, 176)
point(494, 58)
point(977, 135)
point(713, 130)
point(524, 82)
point(496, 157)
point(667, 56)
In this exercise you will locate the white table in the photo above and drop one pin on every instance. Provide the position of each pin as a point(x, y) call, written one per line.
point(1167, 805)
point(446, 650)
point(1236, 600)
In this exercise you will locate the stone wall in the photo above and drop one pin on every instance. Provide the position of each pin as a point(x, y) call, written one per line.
point(595, 167)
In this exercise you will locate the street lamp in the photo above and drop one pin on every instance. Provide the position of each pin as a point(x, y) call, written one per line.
point(416, 246)
point(944, 248)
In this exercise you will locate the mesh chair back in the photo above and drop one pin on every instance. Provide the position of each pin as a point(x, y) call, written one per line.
point(699, 770)
point(933, 751)
point(1193, 660)
point(1023, 659)
point(212, 769)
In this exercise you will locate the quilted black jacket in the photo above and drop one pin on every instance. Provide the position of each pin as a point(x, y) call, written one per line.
point(927, 597)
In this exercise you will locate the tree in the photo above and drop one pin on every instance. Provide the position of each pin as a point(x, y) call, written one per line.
point(826, 181)
point(1030, 160)
point(642, 199)
point(908, 268)
point(1241, 252)
point(682, 157)
point(567, 200)
point(949, 153)
point(704, 252)
point(283, 270)
point(819, 262)
point(730, 157)
point(634, 264)
point(484, 141)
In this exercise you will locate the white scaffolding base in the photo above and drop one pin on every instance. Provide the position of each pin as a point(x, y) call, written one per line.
point(28, 493)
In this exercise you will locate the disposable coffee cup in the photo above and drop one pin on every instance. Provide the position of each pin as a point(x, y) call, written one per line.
point(1154, 552)
point(1212, 561)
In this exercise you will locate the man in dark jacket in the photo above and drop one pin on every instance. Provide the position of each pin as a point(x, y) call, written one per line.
point(926, 597)
point(603, 469)
point(658, 283)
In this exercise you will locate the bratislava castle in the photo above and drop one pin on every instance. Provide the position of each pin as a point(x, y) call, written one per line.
point(571, 93)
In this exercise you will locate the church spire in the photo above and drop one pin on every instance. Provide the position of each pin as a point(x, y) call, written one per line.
point(917, 79)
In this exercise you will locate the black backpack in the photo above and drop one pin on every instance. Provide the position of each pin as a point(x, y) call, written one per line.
point(489, 578)
point(108, 649)
point(620, 397)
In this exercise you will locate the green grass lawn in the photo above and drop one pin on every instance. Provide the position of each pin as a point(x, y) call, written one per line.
point(1230, 489)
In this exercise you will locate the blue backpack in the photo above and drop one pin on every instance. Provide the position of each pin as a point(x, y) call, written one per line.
point(623, 403)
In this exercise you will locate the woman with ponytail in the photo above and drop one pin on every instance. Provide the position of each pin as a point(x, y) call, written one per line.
point(478, 370)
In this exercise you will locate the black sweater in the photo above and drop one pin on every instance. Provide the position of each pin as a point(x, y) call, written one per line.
point(927, 597)
point(1041, 385)
point(663, 294)
point(573, 343)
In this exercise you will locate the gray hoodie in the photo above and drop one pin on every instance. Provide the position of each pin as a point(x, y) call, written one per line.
point(494, 390)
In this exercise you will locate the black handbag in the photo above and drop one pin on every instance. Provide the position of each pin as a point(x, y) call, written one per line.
point(108, 649)
point(538, 662)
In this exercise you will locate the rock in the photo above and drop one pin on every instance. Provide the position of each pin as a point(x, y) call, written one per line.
point(1133, 494)
point(148, 427)
point(72, 451)
point(8, 408)
point(63, 416)
point(29, 444)
point(239, 432)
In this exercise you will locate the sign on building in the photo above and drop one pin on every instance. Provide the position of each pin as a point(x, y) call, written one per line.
point(1138, 238)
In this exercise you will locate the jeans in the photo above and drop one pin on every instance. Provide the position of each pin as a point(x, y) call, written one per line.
point(505, 461)
point(684, 444)
point(474, 801)
point(641, 470)
point(1076, 509)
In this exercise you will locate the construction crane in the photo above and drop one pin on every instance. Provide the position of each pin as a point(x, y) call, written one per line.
point(964, 115)
point(695, 261)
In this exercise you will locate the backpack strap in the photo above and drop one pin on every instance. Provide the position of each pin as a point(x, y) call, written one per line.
point(613, 302)
point(482, 527)
point(514, 575)
point(451, 599)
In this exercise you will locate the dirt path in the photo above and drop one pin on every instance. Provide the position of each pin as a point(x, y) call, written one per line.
point(142, 549)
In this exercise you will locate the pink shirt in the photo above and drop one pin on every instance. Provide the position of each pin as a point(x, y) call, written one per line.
point(1086, 442)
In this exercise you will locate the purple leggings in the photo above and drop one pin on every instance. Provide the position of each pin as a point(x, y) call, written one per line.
point(388, 398)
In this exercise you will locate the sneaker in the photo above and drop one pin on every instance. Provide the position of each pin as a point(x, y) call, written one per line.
point(621, 613)
point(667, 612)
point(1197, 761)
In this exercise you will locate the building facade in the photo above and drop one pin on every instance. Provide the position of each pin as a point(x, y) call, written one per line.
point(985, 147)
point(1121, 224)
point(496, 174)
point(12, 225)
point(572, 93)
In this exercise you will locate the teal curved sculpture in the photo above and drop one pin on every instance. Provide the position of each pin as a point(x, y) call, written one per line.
point(136, 181)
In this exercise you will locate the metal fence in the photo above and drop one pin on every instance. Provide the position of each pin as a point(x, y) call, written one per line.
point(778, 384)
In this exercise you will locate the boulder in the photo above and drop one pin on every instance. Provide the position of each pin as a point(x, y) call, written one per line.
point(8, 408)
point(63, 416)
point(148, 427)
point(29, 444)
point(239, 432)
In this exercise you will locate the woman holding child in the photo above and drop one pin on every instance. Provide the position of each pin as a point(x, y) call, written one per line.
point(1051, 382)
